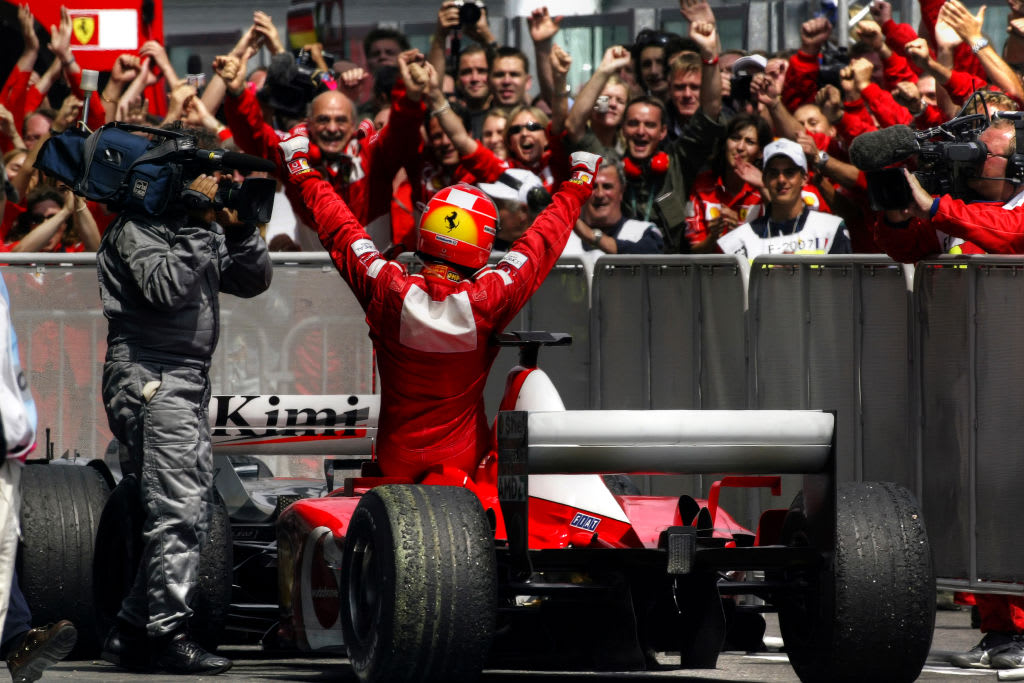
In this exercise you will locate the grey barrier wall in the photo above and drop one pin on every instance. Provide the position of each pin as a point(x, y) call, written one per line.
point(930, 399)
point(305, 335)
point(833, 332)
point(668, 333)
point(561, 304)
point(971, 327)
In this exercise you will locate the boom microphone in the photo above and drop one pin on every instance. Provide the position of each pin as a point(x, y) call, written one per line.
point(222, 158)
point(875, 150)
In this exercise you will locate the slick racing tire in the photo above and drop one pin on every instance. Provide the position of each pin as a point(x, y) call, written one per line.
point(871, 615)
point(418, 584)
point(60, 513)
point(119, 548)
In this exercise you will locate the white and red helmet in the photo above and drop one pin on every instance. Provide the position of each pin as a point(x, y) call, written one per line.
point(459, 226)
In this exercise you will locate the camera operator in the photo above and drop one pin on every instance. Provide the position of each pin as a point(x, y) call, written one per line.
point(934, 225)
point(160, 278)
point(995, 225)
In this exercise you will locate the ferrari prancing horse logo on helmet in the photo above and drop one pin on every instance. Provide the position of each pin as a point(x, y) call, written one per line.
point(451, 221)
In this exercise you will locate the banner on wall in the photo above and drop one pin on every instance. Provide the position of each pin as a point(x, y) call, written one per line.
point(103, 29)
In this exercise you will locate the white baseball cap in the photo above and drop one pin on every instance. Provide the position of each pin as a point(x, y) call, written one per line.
point(786, 148)
point(751, 64)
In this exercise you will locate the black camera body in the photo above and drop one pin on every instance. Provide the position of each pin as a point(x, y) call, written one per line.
point(944, 160)
point(470, 11)
point(833, 60)
point(130, 172)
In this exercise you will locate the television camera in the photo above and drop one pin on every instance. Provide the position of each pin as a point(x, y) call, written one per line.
point(943, 158)
point(149, 173)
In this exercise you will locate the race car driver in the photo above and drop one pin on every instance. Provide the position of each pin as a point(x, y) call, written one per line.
point(431, 331)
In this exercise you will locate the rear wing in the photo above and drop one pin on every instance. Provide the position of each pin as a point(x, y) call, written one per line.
point(294, 424)
point(665, 442)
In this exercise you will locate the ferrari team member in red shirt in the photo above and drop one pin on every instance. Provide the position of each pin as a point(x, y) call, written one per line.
point(431, 331)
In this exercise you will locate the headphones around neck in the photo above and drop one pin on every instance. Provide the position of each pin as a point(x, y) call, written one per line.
point(658, 164)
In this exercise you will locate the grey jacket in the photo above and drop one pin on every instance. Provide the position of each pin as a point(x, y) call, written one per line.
point(159, 282)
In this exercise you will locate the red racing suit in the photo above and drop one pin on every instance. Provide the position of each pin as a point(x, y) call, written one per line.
point(432, 332)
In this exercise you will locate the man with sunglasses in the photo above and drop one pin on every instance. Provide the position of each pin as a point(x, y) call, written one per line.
point(789, 225)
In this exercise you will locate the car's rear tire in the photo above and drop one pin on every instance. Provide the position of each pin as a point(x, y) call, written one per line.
point(60, 514)
point(119, 547)
point(419, 585)
point(870, 616)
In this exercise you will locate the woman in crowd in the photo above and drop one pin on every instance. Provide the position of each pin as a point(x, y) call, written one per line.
point(526, 139)
point(54, 220)
point(730, 192)
point(493, 137)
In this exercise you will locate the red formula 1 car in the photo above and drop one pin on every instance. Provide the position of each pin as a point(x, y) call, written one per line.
point(545, 557)
point(541, 559)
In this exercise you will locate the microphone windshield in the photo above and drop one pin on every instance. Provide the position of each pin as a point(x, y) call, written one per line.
point(880, 148)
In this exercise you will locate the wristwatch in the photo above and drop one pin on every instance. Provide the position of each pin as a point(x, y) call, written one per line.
point(979, 44)
point(823, 158)
point(597, 235)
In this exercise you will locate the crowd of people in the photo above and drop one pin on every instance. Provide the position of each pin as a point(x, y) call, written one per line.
point(705, 148)
point(683, 122)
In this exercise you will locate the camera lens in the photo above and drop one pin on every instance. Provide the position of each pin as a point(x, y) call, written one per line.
point(469, 13)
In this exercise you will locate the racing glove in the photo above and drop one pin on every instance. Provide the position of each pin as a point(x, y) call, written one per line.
point(295, 159)
point(302, 130)
point(583, 168)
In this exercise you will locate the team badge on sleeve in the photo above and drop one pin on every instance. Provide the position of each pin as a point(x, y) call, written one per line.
point(300, 165)
point(515, 259)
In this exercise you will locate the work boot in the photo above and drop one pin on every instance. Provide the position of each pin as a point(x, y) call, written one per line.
point(40, 649)
point(127, 646)
point(179, 655)
point(980, 656)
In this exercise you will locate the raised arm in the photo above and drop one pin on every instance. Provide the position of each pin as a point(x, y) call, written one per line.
point(40, 236)
point(262, 32)
point(158, 54)
point(706, 36)
point(543, 28)
point(437, 104)
point(447, 21)
point(968, 27)
point(615, 58)
point(785, 124)
point(27, 60)
point(85, 225)
point(560, 61)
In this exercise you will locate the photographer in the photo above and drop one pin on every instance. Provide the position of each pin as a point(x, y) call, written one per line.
point(596, 115)
point(160, 278)
point(931, 225)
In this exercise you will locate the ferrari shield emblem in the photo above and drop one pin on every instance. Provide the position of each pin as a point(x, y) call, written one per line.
point(85, 29)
